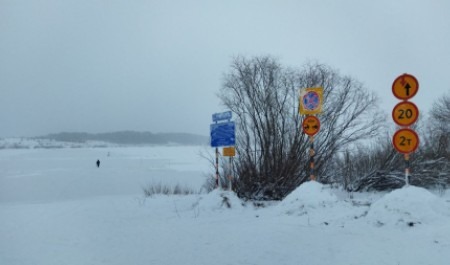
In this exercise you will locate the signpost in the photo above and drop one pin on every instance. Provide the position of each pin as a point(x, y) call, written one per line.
point(405, 114)
point(311, 125)
point(221, 116)
point(405, 87)
point(222, 133)
point(406, 141)
point(311, 103)
point(230, 152)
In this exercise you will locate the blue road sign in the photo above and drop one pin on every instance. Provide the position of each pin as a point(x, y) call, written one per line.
point(221, 116)
point(223, 134)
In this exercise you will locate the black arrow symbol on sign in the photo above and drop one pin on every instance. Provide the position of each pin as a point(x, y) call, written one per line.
point(307, 127)
point(315, 127)
point(407, 87)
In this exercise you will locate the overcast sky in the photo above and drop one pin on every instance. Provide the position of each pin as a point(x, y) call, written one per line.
point(105, 65)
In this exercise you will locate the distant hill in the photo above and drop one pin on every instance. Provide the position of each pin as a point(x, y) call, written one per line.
point(130, 138)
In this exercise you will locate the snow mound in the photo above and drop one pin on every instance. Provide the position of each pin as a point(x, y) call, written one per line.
point(407, 206)
point(319, 205)
point(219, 200)
point(311, 194)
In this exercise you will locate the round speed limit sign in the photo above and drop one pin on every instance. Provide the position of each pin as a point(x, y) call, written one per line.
point(405, 113)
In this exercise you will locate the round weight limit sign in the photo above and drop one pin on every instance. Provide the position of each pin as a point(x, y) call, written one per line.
point(406, 141)
point(405, 87)
point(405, 113)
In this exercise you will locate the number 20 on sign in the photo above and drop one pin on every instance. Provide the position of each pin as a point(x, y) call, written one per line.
point(405, 113)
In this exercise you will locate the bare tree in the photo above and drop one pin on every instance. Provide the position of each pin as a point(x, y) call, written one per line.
point(440, 121)
point(380, 167)
point(351, 113)
point(272, 150)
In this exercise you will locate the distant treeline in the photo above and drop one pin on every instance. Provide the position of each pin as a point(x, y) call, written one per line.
point(130, 138)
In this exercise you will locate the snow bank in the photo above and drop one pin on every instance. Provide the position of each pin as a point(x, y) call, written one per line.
point(319, 205)
point(218, 200)
point(312, 194)
point(408, 206)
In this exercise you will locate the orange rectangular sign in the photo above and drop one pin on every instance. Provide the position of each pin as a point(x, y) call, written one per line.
point(229, 151)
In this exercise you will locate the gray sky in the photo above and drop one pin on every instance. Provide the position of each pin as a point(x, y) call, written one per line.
point(99, 66)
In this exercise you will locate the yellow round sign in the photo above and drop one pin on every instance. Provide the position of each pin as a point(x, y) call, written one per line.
point(406, 141)
point(311, 125)
point(405, 87)
point(405, 113)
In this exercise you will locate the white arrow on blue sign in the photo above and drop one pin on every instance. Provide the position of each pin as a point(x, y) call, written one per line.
point(223, 134)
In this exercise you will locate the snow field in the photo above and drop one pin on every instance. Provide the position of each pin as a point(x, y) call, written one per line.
point(32, 175)
point(56, 207)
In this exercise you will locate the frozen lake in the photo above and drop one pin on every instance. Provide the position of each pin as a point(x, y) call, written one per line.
point(36, 175)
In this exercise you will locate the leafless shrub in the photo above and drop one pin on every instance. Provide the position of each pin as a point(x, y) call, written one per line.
point(272, 150)
point(380, 167)
point(160, 189)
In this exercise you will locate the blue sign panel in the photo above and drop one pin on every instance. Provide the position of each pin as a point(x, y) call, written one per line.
point(221, 116)
point(223, 134)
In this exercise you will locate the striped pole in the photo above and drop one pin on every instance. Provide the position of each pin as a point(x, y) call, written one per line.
point(408, 164)
point(230, 169)
point(312, 153)
point(217, 168)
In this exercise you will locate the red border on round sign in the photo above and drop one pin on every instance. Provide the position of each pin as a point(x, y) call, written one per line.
point(407, 102)
point(403, 76)
point(318, 124)
point(411, 131)
point(302, 110)
point(315, 94)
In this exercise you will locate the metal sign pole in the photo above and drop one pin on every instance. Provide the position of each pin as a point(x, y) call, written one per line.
point(311, 103)
point(230, 169)
point(407, 162)
point(217, 168)
point(222, 133)
point(404, 114)
point(311, 154)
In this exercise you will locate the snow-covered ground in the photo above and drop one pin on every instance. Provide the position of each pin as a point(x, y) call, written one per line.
point(57, 207)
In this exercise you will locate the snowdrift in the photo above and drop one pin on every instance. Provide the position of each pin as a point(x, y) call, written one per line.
point(311, 194)
point(318, 205)
point(408, 206)
point(219, 200)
